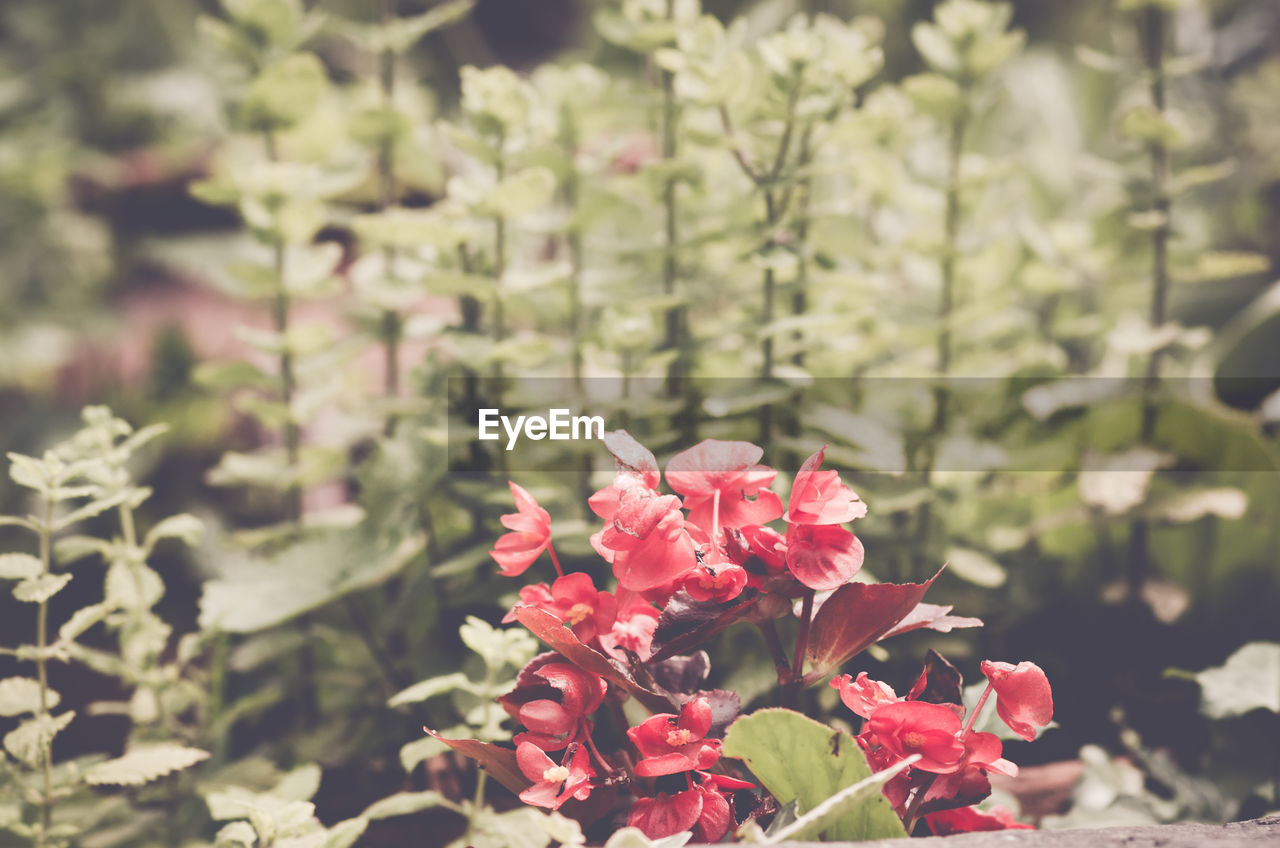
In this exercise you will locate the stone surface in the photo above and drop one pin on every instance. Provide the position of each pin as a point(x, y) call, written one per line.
point(1259, 832)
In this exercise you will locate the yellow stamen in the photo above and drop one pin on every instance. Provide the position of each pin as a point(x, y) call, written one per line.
point(579, 612)
point(556, 774)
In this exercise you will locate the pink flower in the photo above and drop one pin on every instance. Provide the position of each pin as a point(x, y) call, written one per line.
point(823, 556)
point(633, 629)
point(669, 744)
point(1023, 697)
point(574, 600)
point(553, 699)
point(554, 784)
point(863, 694)
point(530, 535)
point(647, 536)
point(971, 819)
point(722, 484)
point(818, 497)
point(916, 727)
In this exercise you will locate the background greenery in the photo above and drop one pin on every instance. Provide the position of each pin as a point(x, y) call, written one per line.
point(313, 240)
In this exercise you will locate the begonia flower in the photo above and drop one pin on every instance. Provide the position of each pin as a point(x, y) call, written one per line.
point(670, 744)
point(1024, 699)
point(723, 486)
point(666, 815)
point(916, 727)
point(818, 497)
point(553, 699)
point(862, 695)
point(553, 783)
point(823, 556)
point(650, 543)
point(574, 600)
point(530, 535)
point(632, 630)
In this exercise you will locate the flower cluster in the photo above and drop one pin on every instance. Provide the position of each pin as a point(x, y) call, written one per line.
point(685, 564)
point(930, 722)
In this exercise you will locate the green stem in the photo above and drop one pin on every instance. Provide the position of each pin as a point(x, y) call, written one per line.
point(675, 318)
point(42, 674)
point(946, 311)
point(392, 322)
point(280, 318)
point(1153, 36)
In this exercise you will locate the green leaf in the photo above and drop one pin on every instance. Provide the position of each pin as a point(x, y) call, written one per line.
point(518, 195)
point(1222, 502)
point(518, 828)
point(345, 833)
point(19, 695)
point(82, 619)
point(144, 764)
point(37, 590)
point(285, 92)
point(975, 567)
point(935, 95)
point(431, 687)
point(70, 549)
point(846, 802)
point(92, 508)
point(133, 586)
point(30, 739)
point(799, 759)
point(184, 527)
point(252, 592)
point(633, 837)
point(404, 804)
point(497, 646)
point(1147, 124)
point(1249, 680)
point(19, 567)
point(423, 749)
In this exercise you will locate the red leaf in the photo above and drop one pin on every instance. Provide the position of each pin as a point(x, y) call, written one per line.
point(856, 616)
point(561, 639)
point(499, 762)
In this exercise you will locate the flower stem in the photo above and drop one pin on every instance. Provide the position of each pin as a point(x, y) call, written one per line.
point(977, 708)
point(555, 560)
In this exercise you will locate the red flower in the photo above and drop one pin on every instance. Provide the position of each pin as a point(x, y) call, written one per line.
point(632, 629)
point(722, 484)
point(916, 727)
point(669, 745)
point(717, 582)
point(716, 817)
point(574, 600)
point(863, 694)
point(649, 541)
point(971, 819)
point(818, 497)
point(1023, 697)
point(666, 815)
point(823, 556)
point(530, 536)
point(554, 784)
point(553, 699)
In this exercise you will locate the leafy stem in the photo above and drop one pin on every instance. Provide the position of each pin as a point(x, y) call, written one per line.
point(42, 675)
